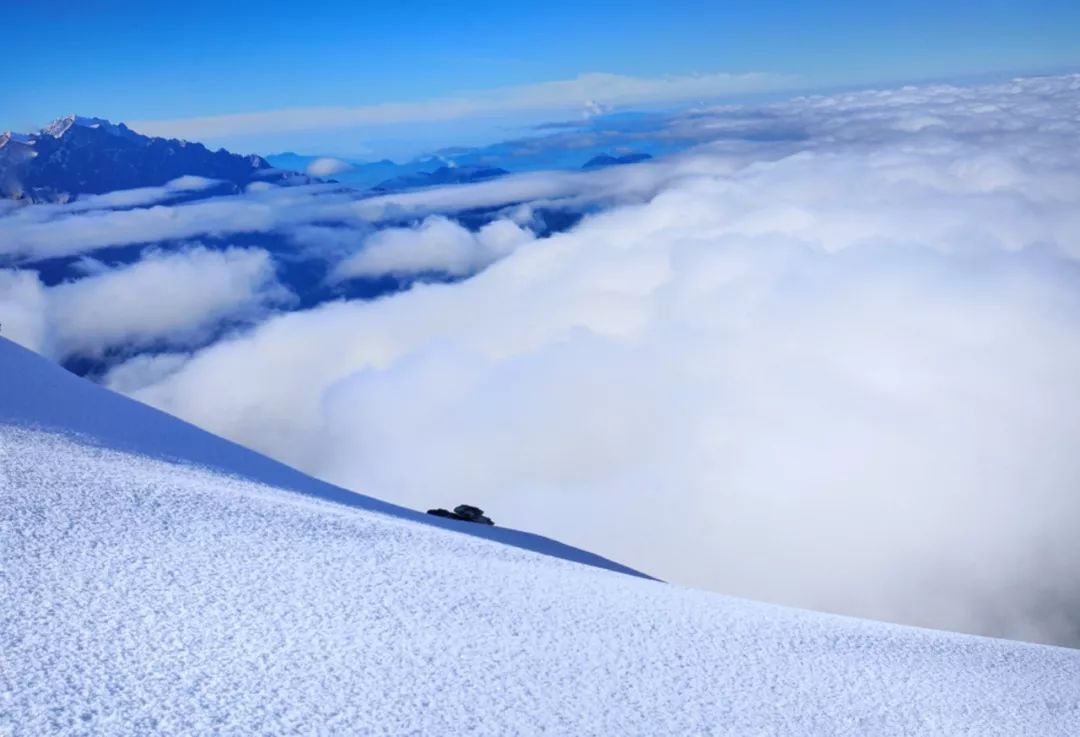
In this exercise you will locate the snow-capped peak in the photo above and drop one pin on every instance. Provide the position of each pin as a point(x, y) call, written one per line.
point(8, 136)
point(78, 155)
point(60, 126)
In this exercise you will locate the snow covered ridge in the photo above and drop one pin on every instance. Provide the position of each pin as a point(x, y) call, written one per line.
point(148, 597)
point(8, 136)
point(75, 155)
point(60, 126)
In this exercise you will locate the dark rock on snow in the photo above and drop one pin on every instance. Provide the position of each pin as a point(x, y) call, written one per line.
point(465, 513)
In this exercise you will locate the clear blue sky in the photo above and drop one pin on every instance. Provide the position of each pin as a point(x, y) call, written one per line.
point(165, 61)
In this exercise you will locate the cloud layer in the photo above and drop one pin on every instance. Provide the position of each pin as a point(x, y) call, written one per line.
point(590, 92)
point(838, 369)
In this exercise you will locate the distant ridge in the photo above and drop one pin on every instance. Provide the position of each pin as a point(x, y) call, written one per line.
point(442, 176)
point(598, 162)
point(76, 155)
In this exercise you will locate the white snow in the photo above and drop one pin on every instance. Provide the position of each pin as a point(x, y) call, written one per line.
point(143, 596)
point(7, 136)
point(60, 126)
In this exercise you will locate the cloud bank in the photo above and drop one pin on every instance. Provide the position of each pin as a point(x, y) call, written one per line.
point(838, 369)
point(167, 299)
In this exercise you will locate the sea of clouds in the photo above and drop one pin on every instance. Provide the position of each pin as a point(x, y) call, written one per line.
point(829, 356)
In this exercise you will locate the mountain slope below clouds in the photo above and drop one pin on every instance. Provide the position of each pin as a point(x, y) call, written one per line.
point(76, 155)
point(151, 597)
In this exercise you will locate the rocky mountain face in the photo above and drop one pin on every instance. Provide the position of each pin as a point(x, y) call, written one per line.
point(76, 155)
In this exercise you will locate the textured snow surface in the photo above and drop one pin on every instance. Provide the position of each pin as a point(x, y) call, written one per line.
point(144, 597)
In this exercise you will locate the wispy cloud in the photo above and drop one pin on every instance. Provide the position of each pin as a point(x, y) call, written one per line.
point(588, 92)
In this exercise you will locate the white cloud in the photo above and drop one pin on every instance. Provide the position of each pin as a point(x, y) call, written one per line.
point(190, 183)
point(173, 299)
point(139, 197)
point(841, 371)
point(22, 310)
point(436, 245)
point(144, 370)
point(327, 167)
point(176, 297)
point(590, 91)
point(47, 231)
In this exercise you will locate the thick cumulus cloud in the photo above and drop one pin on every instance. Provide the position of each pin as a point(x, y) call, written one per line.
point(435, 245)
point(176, 299)
point(837, 369)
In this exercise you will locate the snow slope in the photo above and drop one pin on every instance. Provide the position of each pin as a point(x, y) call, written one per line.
point(39, 393)
point(221, 593)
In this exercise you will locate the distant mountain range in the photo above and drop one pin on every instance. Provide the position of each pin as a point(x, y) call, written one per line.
point(385, 176)
point(599, 162)
point(460, 165)
point(76, 155)
point(442, 175)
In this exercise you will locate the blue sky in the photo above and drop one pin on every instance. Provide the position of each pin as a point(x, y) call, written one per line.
point(150, 62)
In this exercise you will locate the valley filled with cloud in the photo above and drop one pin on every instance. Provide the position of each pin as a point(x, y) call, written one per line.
point(824, 352)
